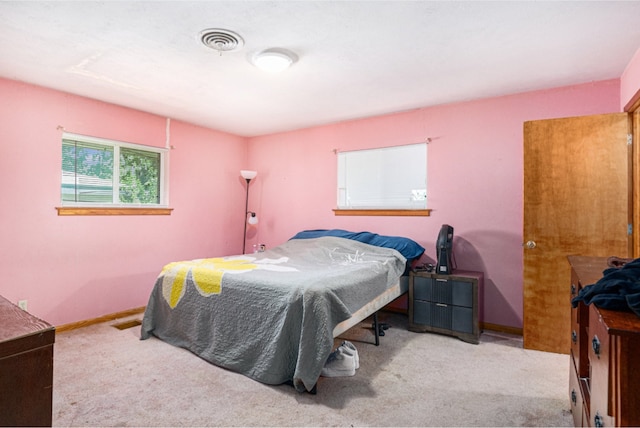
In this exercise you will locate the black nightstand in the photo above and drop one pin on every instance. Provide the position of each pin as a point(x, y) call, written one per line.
point(446, 304)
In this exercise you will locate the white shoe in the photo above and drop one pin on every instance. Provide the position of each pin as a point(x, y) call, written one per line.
point(338, 364)
point(350, 349)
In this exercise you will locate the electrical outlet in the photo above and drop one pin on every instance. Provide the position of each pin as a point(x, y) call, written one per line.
point(22, 304)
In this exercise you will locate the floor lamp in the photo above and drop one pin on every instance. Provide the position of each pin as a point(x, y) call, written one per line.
point(249, 217)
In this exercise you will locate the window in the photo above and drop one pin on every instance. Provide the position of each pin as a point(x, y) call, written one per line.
point(390, 178)
point(104, 173)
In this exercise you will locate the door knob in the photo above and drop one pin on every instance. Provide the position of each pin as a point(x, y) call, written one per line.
point(530, 244)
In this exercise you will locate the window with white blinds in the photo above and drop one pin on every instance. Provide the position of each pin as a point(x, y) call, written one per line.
point(384, 178)
point(99, 172)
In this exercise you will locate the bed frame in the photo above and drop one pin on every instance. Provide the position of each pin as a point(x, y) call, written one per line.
point(372, 308)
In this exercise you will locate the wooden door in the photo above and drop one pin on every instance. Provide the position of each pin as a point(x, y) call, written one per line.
point(576, 202)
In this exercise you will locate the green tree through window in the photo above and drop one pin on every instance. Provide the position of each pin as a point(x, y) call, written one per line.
point(90, 176)
point(139, 173)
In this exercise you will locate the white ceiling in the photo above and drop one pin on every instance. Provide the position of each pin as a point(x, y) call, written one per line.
point(356, 58)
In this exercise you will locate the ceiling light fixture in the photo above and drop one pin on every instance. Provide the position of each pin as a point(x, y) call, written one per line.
point(274, 60)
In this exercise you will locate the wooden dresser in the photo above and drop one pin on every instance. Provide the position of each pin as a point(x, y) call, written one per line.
point(26, 368)
point(604, 382)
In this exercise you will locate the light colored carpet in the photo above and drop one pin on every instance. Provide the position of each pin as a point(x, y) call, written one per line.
point(104, 376)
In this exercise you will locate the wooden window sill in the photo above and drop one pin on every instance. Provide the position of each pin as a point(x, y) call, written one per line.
point(414, 213)
point(112, 211)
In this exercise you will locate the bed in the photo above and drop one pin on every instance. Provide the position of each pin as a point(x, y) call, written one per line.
point(272, 316)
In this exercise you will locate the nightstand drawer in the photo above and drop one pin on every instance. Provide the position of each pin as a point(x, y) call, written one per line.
point(432, 314)
point(442, 290)
point(422, 288)
point(462, 319)
point(440, 315)
point(462, 294)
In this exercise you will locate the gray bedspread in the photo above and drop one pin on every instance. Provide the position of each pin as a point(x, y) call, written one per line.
point(270, 315)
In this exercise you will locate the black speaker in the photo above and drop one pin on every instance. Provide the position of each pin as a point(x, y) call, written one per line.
point(444, 249)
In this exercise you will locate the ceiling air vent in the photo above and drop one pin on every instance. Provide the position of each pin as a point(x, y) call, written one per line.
point(221, 40)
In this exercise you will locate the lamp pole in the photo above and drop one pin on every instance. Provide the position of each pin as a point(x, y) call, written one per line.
point(246, 210)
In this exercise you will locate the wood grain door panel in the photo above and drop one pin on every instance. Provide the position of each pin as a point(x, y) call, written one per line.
point(576, 202)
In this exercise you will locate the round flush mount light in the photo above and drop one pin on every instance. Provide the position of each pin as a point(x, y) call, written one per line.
point(274, 60)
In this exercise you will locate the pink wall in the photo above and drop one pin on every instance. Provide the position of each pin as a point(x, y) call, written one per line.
point(630, 82)
point(475, 176)
point(76, 268)
point(82, 267)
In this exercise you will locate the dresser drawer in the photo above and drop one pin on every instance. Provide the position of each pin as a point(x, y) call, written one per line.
point(580, 338)
point(601, 407)
point(575, 395)
point(575, 335)
point(579, 330)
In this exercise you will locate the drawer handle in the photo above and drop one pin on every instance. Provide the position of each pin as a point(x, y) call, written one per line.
point(598, 421)
point(595, 344)
point(574, 397)
point(574, 336)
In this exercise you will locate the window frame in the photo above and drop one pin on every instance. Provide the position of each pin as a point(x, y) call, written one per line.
point(383, 209)
point(118, 208)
